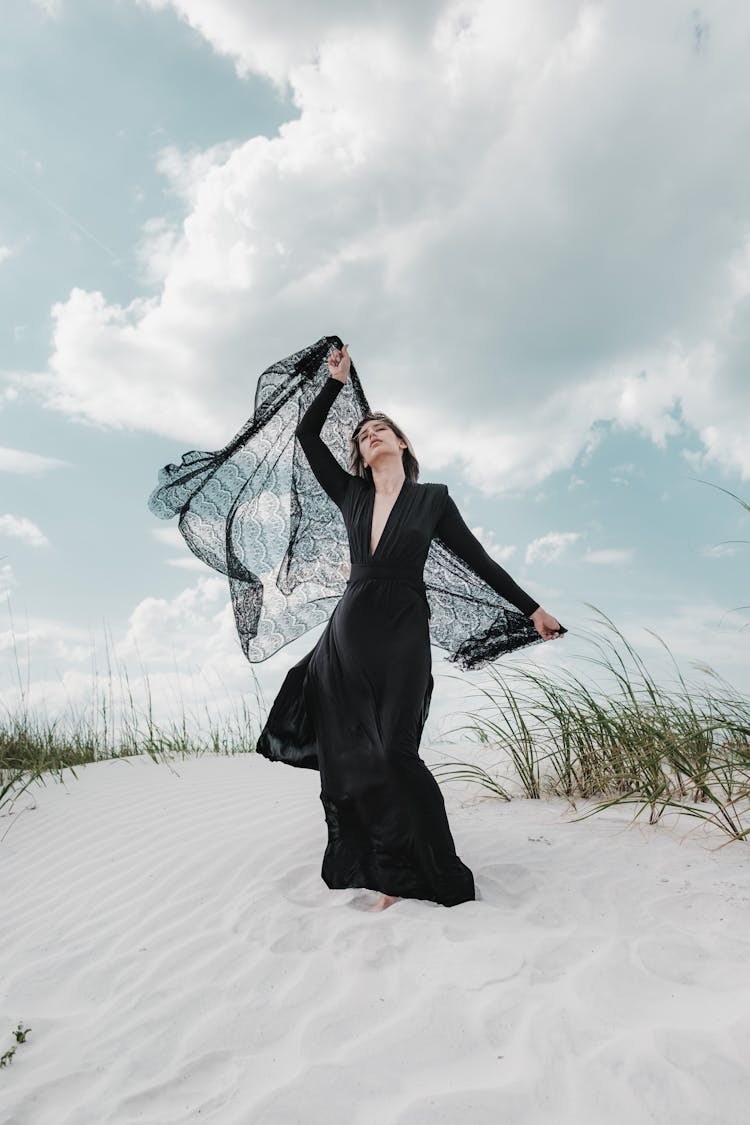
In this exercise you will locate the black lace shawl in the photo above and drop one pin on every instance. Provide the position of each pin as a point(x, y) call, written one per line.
point(255, 511)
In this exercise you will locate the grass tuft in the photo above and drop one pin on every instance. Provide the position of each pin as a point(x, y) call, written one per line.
point(631, 740)
point(35, 745)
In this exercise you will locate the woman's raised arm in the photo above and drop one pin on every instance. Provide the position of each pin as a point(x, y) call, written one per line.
point(329, 474)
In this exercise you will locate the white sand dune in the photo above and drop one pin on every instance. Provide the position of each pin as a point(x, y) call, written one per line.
point(168, 938)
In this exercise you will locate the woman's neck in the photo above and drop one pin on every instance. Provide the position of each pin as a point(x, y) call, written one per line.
point(388, 480)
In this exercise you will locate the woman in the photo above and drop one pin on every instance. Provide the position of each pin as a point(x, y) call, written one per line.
point(368, 682)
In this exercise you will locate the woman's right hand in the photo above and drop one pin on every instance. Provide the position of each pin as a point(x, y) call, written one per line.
point(339, 364)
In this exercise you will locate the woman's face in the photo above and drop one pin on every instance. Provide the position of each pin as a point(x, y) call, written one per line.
point(377, 440)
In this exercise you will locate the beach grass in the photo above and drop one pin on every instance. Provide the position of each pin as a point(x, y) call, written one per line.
point(35, 746)
point(617, 736)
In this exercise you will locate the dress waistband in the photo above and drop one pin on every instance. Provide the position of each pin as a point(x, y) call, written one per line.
point(379, 570)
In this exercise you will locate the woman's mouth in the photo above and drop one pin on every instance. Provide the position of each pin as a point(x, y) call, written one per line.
point(376, 442)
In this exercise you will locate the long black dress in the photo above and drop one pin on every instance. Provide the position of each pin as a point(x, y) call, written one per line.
point(355, 706)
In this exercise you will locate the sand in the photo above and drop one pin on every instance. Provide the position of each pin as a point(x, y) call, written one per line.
point(168, 938)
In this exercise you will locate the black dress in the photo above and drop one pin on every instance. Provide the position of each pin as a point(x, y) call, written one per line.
point(355, 706)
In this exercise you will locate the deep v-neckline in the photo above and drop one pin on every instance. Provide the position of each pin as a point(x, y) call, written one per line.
point(371, 553)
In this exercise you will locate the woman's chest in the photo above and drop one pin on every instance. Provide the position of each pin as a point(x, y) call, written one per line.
point(383, 526)
point(382, 510)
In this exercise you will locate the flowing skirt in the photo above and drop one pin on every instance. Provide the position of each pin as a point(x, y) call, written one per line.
point(355, 708)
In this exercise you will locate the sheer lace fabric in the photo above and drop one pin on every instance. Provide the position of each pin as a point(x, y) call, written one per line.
point(255, 511)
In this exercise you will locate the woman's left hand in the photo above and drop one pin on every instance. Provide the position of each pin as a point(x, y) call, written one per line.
point(547, 626)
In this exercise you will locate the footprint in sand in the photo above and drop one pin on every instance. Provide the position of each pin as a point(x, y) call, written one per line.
point(508, 884)
point(681, 958)
point(307, 933)
point(302, 885)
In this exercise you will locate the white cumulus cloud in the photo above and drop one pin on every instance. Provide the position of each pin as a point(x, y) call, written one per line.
point(198, 619)
point(19, 527)
point(189, 563)
point(460, 195)
point(23, 461)
point(7, 581)
point(498, 552)
point(609, 556)
point(549, 547)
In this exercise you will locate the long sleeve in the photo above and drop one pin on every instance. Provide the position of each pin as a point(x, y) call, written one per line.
point(455, 534)
point(330, 475)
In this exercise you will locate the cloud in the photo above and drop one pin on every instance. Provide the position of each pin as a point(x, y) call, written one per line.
point(280, 40)
point(719, 551)
point(190, 563)
point(702, 634)
point(19, 527)
point(21, 461)
point(46, 640)
point(121, 356)
point(549, 547)
point(609, 556)
point(7, 579)
point(9, 394)
point(171, 536)
point(51, 8)
point(620, 474)
point(198, 619)
point(175, 657)
point(460, 196)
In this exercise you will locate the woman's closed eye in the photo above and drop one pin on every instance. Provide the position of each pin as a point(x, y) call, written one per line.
point(367, 435)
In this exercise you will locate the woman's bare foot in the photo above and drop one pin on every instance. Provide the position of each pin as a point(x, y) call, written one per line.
point(384, 902)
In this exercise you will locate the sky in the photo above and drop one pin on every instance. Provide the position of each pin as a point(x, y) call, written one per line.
point(530, 223)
